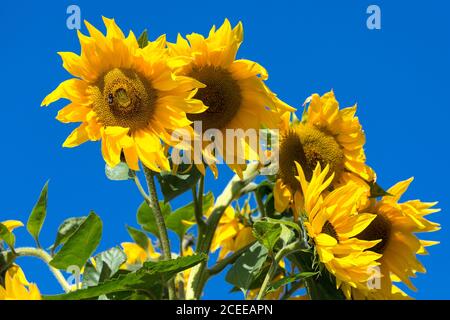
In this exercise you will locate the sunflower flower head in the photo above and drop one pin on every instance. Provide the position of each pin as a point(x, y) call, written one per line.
point(326, 135)
point(332, 224)
point(396, 225)
point(234, 92)
point(125, 95)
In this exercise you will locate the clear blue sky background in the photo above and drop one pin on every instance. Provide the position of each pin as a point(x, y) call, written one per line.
point(399, 77)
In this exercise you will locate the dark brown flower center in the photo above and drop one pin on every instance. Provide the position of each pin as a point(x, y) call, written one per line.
point(124, 98)
point(379, 228)
point(308, 146)
point(330, 230)
point(291, 151)
point(222, 95)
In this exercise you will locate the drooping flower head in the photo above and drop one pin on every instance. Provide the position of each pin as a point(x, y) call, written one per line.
point(234, 92)
point(125, 95)
point(332, 223)
point(326, 135)
point(396, 224)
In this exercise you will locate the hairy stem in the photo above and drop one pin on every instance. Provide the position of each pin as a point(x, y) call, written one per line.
point(44, 256)
point(153, 203)
point(260, 204)
point(198, 206)
point(234, 189)
point(293, 247)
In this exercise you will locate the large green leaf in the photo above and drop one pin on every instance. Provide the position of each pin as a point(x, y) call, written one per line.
point(65, 230)
point(174, 221)
point(246, 268)
point(37, 216)
point(81, 244)
point(146, 218)
point(267, 233)
point(7, 236)
point(139, 237)
point(287, 223)
point(173, 185)
point(151, 274)
point(107, 263)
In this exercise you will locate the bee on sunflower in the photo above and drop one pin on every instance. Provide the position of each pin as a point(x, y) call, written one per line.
point(235, 92)
point(125, 96)
point(325, 135)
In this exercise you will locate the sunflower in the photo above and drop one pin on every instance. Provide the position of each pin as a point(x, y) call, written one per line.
point(396, 225)
point(136, 255)
point(325, 135)
point(332, 224)
point(125, 95)
point(233, 232)
point(17, 287)
point(234, 92)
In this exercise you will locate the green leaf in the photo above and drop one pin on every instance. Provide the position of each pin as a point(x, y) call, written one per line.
point(174, 221)
point(107, 264)
point(120, 172)
point(267, 233)
point(139, 237)
point(151, 274)
point(7, 236)
point(143, 39)
point(286, 235)
point(65, 230)
point(284, 281)
point(37, 216)
point(377, 191)
point(146, 219)
point(287, 223)
point(80, 245)
point(175, 185)
point(247, 267)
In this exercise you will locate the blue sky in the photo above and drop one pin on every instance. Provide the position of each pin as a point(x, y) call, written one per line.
point(398, 76)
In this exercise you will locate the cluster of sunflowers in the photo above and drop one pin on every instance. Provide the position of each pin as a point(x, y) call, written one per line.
point(321, 228)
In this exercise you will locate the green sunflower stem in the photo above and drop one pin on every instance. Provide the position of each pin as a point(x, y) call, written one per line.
point(260, 204)
point(152, 201)
point(234, 189)
point(291, 248)
point(198, 206)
